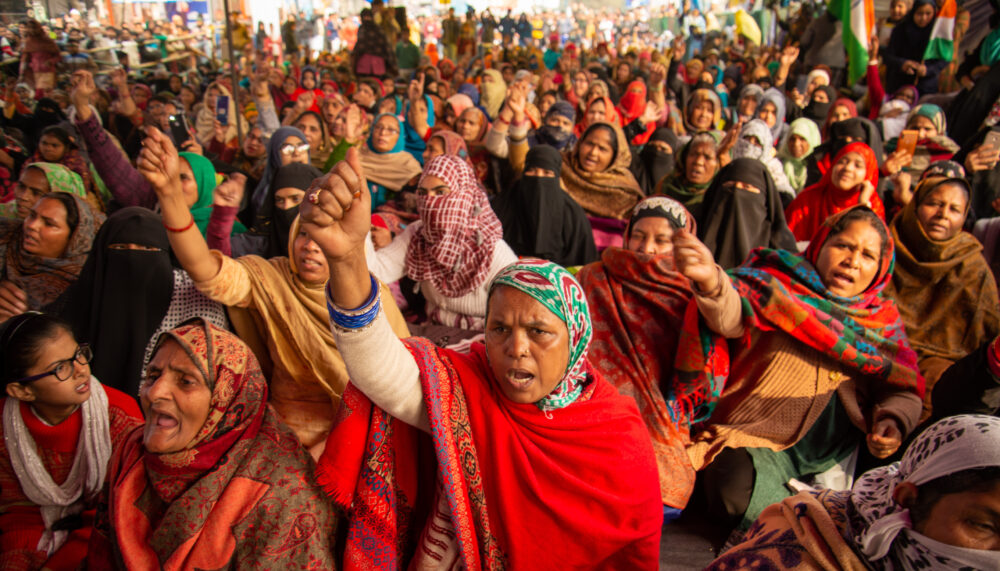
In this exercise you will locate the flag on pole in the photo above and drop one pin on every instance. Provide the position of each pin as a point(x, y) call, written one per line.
point(942, 43)
point(858, 19)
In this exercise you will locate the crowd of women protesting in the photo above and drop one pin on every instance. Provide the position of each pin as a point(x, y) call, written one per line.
point(522, 309)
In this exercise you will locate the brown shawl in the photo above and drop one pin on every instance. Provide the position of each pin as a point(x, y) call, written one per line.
point(611, 193)
point(945, 291)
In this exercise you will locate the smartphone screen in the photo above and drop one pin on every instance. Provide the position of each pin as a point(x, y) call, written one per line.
point(179, 130)
point(992, 139)
point(907, 141)
point(222, 109)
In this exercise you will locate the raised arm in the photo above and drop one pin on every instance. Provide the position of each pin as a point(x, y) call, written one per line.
point(337, 215)
point(718, 301)
point(159, 163)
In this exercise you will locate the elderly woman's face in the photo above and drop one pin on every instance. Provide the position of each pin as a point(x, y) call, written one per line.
point(385, 134)
point(965, 519)
point(526, 344)
point(701, 163)
point(435, 148)
point(942, 212)
point(46, 229)
point(923, 126)
point(467, 125)
point(651, 235)
point(849, 261)
point(596, 112)
point(175, 400)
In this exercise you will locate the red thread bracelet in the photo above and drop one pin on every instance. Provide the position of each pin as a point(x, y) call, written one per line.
point(178, 230)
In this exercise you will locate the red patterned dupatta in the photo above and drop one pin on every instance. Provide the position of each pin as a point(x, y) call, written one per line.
point(239, 495)
point(574, 488)
point(782, 291)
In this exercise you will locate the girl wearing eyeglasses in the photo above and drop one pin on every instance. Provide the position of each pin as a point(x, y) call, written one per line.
point(60, 426)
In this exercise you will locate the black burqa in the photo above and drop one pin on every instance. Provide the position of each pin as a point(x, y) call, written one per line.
point(735, 221)
point(268, 237)
point(540, 219)
point(650, 164)
point(122, 296)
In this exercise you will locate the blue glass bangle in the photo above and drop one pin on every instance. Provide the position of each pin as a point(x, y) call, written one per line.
point(353, 319)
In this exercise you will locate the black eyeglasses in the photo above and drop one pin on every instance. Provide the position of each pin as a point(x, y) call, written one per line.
point(64, 369)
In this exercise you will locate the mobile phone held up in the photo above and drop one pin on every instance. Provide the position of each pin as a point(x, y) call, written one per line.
point(222, 109)
point(908, 141)
point(179, 130)
point(992, 139)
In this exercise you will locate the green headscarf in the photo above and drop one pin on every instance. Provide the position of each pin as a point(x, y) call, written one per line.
point(989, 53)
point(204, 176)
point(555, 288)
point(795, 168)
point(61, 179)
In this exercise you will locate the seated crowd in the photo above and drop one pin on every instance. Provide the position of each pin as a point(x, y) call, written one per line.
point(488, 314)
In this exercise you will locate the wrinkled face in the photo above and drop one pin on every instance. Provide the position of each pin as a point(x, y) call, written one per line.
point(848, 172)
point(849, 261)
point(700, 164)
point(51, 149)
point(49, 390)
point(292, 151)
point(309, 260)
point(596, 151)
point(435, 148)
point(923, 15)
point(385, 134)
point(966, 519)
point(526, 344)
point(313, 131)
point(923, 126)
point(596, 112)
point(798, 146)
point(769, 114)
point(701, 115)
point(32, 185)
point(651, 235)
point(46, 231)
point(942, 212)
point(840, 113)
point(175, 400)
point(339, 127)
point(560, 122)
point(468, 125)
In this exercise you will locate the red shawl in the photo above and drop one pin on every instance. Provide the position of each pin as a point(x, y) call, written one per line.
point(610, 115)
point(852, 109)
point(569, 490)
point(637, 305)
point(806, 214)
point(632, 106)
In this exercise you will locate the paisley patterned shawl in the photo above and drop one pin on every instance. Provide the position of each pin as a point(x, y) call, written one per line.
point(782, 291)
point(240, 493)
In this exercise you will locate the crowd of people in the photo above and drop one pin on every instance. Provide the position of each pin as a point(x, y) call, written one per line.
point(505, 296)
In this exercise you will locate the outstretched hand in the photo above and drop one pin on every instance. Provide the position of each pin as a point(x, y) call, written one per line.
point(336, 211)
point(694, 260)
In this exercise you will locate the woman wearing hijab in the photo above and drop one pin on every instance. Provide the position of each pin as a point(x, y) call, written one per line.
point(453, 250)
point(943, 286)
point(637, 301)
point(932, 509)
point(803, 138)
point(655, 160)
point(824, 364)
point(43, 254)
point(287, 145)
point(631, 108)
point(39, 179)
point(534, 410)
point(204, 126)
point(703, 113)
point(214, 479)
point(276, 305)
point(851, 180)
point(904, 56)
point(771, 111)
point(385, 158)
point(933, 143)
point(819, 104)
point(843, 133)
point(743, 211)
point(203, 174)
point(746, 105)
point(494, 91)
point(696, 166)
point(841, 110)
point(454, 107)
point(60, 428)
point(598, 109)
point(314, 128)
point(128, 293)
point(755, 143)
point(55, 146)
point(539, 219)
point(40, 58)
point(596, 172)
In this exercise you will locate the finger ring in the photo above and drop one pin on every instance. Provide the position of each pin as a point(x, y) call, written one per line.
point(314, 197)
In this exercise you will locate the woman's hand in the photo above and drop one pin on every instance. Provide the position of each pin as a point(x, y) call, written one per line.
point(885, 438)
point(336, 211)
point(897, 161)
point(902, 192)
point(13, 300)
point(867, 190)
point(657, 75)
point(304, 102)
point(353, 129)
point(651, 114)
point(160, 165)
point(416, 88)
point(219, 131)
point(694, 260)
point(230, 192)
point(983, 157)
point(83, 89)
point(120, 80)
point(193, 146)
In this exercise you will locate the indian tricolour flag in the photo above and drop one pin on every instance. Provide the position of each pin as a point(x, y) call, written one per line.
point(858, 18)
point(942, 43)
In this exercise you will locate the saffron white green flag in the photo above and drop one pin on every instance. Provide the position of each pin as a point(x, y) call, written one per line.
point(942, 43)
point(858, 18)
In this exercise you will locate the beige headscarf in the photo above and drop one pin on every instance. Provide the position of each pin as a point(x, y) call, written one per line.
point(205, 122)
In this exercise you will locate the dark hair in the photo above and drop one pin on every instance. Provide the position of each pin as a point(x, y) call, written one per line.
point(72, 212)
point(862, 214)
point(610, 130)
point(974, 480)
point(21, 340)
point(319, 119)
point(59, 133)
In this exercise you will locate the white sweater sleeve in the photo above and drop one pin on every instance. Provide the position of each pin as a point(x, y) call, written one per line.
point(389, 263)
point(384, 370)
